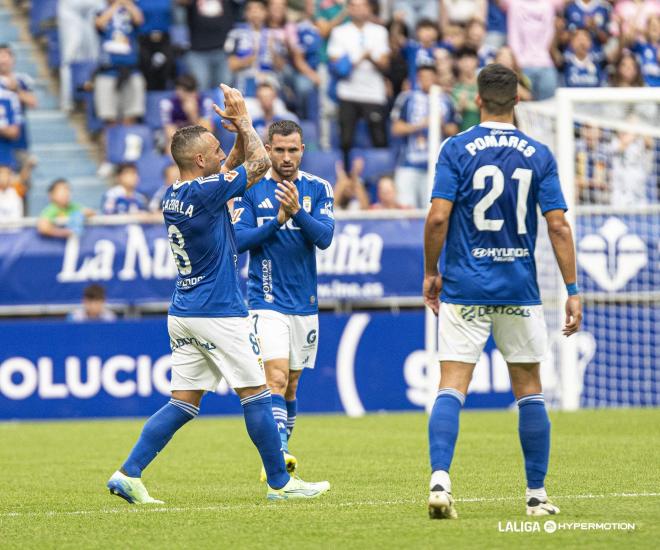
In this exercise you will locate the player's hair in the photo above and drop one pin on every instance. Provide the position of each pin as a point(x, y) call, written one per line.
point(123, 166)
point(498, 88)
point(182, 142)
point(186, 81)
point(284, 128)
point(94, 292)
point(55, 183)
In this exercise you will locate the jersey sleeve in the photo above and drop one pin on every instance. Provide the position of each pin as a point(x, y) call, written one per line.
point(550, 196)
point(217, 190)
point(319, 225)
point(445, 185)
point(249, 234)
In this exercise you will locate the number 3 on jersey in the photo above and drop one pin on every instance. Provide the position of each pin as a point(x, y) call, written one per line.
point(177, 244)
point(524, 177)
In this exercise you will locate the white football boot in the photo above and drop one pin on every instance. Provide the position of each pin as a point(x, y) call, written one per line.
point(131, 489)
point(441, 502)
point(297, 488)
point(538, 503)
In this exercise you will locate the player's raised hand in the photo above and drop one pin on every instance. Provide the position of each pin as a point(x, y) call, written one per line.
point(235, 107)
point(287, 194)
point(573, 315)
point(431, 291)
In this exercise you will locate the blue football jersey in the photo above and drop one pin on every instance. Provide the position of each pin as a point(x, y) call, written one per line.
point(496, 176)
point(282, 266)
point(204, 247)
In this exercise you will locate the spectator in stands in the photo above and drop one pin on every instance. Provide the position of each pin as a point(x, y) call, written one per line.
point(386, 194)
point(475, 36)
point(185, 107)
point(94, 307)
point(361, 49)
point(496, 24)
point(461, 11)
point(304, 43)
point(647, 48)
point(627, 73)
point(592, 16)
point(62, 218)
point(632, 16)
point(410, 121)
point(254, 51)
point(397, 74)
point(531, 31)
point(464, 94)
point(170, 175)
point(631, 158)
point(79, 46)
point(119, 87)
point(123, 198)
point(157, 56)
point(424, 50)
point(11, 203)
point(413, 11)
point(505, 57)
point(582, 65)
point(267, 96)
point(591, 161)
point(209, 23)
point(327, 15)
point(11, 119)
point(23, 86)
point(350, 193)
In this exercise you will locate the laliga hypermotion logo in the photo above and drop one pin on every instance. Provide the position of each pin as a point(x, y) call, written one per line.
point(612, 257)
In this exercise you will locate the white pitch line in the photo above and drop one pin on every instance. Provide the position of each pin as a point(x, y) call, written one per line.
point(220, 507)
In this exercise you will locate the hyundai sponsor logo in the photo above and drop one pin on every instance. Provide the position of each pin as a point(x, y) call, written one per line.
point(501, 254)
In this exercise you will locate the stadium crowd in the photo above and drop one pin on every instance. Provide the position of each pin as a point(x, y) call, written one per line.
point(355, 73)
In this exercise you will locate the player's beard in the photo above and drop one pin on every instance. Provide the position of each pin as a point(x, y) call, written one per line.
point(287, 172)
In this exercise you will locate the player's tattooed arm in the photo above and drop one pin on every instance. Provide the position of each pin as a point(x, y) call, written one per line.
point(257, 162)
point(236, 156)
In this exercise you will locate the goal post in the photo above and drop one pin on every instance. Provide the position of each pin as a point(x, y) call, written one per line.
point(607, 145)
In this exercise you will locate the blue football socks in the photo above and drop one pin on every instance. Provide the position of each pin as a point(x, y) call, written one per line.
point(534, 431)
point(291, 411)
point(280, 415)
point(260, 424)
point(156, 433)
point(443, 427)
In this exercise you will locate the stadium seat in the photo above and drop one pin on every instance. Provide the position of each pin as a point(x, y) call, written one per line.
point(310, 134)
point(41, 11)
point(152, 114)
point(180, 36)
point(376, 163)
point(150, 167)
point(321, 163)
point(361, 137)
point(53, 48)
point(81, 73)
point(94, 123)
point(128, 143)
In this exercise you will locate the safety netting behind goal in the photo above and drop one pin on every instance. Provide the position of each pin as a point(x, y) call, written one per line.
point(608, 150)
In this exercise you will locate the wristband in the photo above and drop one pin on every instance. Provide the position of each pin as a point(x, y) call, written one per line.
point(572, 289)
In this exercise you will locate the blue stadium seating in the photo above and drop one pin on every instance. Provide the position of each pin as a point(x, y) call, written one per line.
point(152, 113)
point(321, 163)
point(94, 123)
point(40, 12)
point(310, 134)
point(376, 163)
point(81, 72)
point(150, 167)
point(128, 143)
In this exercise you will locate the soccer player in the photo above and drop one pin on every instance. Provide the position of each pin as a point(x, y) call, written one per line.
point(488, 183)
point(282, 236)
point(209, 328)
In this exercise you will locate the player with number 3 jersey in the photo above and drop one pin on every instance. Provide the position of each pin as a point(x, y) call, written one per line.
point(210, 332)
point(489, 182)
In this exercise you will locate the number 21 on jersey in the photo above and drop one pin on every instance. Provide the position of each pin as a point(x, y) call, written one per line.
point(524, 178)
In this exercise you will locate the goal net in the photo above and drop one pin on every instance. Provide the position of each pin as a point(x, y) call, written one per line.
point(607, 144)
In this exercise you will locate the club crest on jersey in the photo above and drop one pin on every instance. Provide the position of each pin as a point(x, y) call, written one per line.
point(231, 175)
point(307, 204)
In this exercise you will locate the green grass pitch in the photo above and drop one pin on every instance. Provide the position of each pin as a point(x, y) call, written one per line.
point(52, 484)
